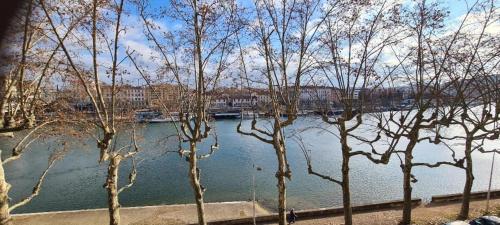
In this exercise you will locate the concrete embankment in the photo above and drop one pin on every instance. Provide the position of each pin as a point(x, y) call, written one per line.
point(321, 212)
point(217, 213)
point(436, 199)
point(235, 212)
point(433, 214)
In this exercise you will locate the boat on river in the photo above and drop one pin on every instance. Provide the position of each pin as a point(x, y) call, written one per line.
point(150, 116)
point(234, 114)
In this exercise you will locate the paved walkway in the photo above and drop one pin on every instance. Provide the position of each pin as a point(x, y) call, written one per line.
point(149, 215)
point(182, 214)
point(422, 215)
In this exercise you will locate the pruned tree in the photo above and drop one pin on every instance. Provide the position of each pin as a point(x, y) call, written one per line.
point(196, 56)
point(26, 97)
point(285, 36)
point(92, 38)
point(26, 68)
point(426, 77)
point(352, 63)
point(472, 93)
point(6, 207)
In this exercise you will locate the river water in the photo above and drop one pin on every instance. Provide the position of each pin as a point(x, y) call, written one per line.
point(77, 181)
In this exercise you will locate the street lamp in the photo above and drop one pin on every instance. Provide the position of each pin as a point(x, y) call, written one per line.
point(253, 188)
point(489, 185)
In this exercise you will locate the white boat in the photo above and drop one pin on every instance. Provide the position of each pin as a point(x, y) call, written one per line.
point(162, 120)
point(227, 115)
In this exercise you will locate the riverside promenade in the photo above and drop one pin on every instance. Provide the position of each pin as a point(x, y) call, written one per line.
point(230, 212)
point(431, 214)
point(147, 215)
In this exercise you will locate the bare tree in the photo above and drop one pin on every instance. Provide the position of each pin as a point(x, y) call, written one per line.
point(24, 72)
point(90, 79)
point(26, 97)
point(473, 93)
point(5, 206)
point(425, 75)
point(195, 56)
point(356, 36)
point(285, 35)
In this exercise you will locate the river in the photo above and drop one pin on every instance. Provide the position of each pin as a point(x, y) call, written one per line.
point(77, 181)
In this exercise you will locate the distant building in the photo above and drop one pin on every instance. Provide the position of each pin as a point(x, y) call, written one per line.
point(168, 95)
point(219, 102)
point(316, 97)
point(126, 97)
point(263, 98)
point(244, 100)
point(233, 98)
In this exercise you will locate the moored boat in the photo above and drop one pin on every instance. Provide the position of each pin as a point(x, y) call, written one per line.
point(150, 116)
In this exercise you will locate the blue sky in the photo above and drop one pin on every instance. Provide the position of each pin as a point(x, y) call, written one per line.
point(135, 39)
point(456, 8)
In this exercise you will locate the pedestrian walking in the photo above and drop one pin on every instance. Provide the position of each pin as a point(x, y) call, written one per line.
point(292, 217)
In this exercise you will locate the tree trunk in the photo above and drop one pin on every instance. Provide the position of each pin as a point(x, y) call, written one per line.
point(407, 182)
point(2, 119)
point(194, 175)
point(112, 186)
point(4, 197)
point(407, 195)
point(281, 186)
point(104, 144)
point(469, 179)
point(346, 193)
